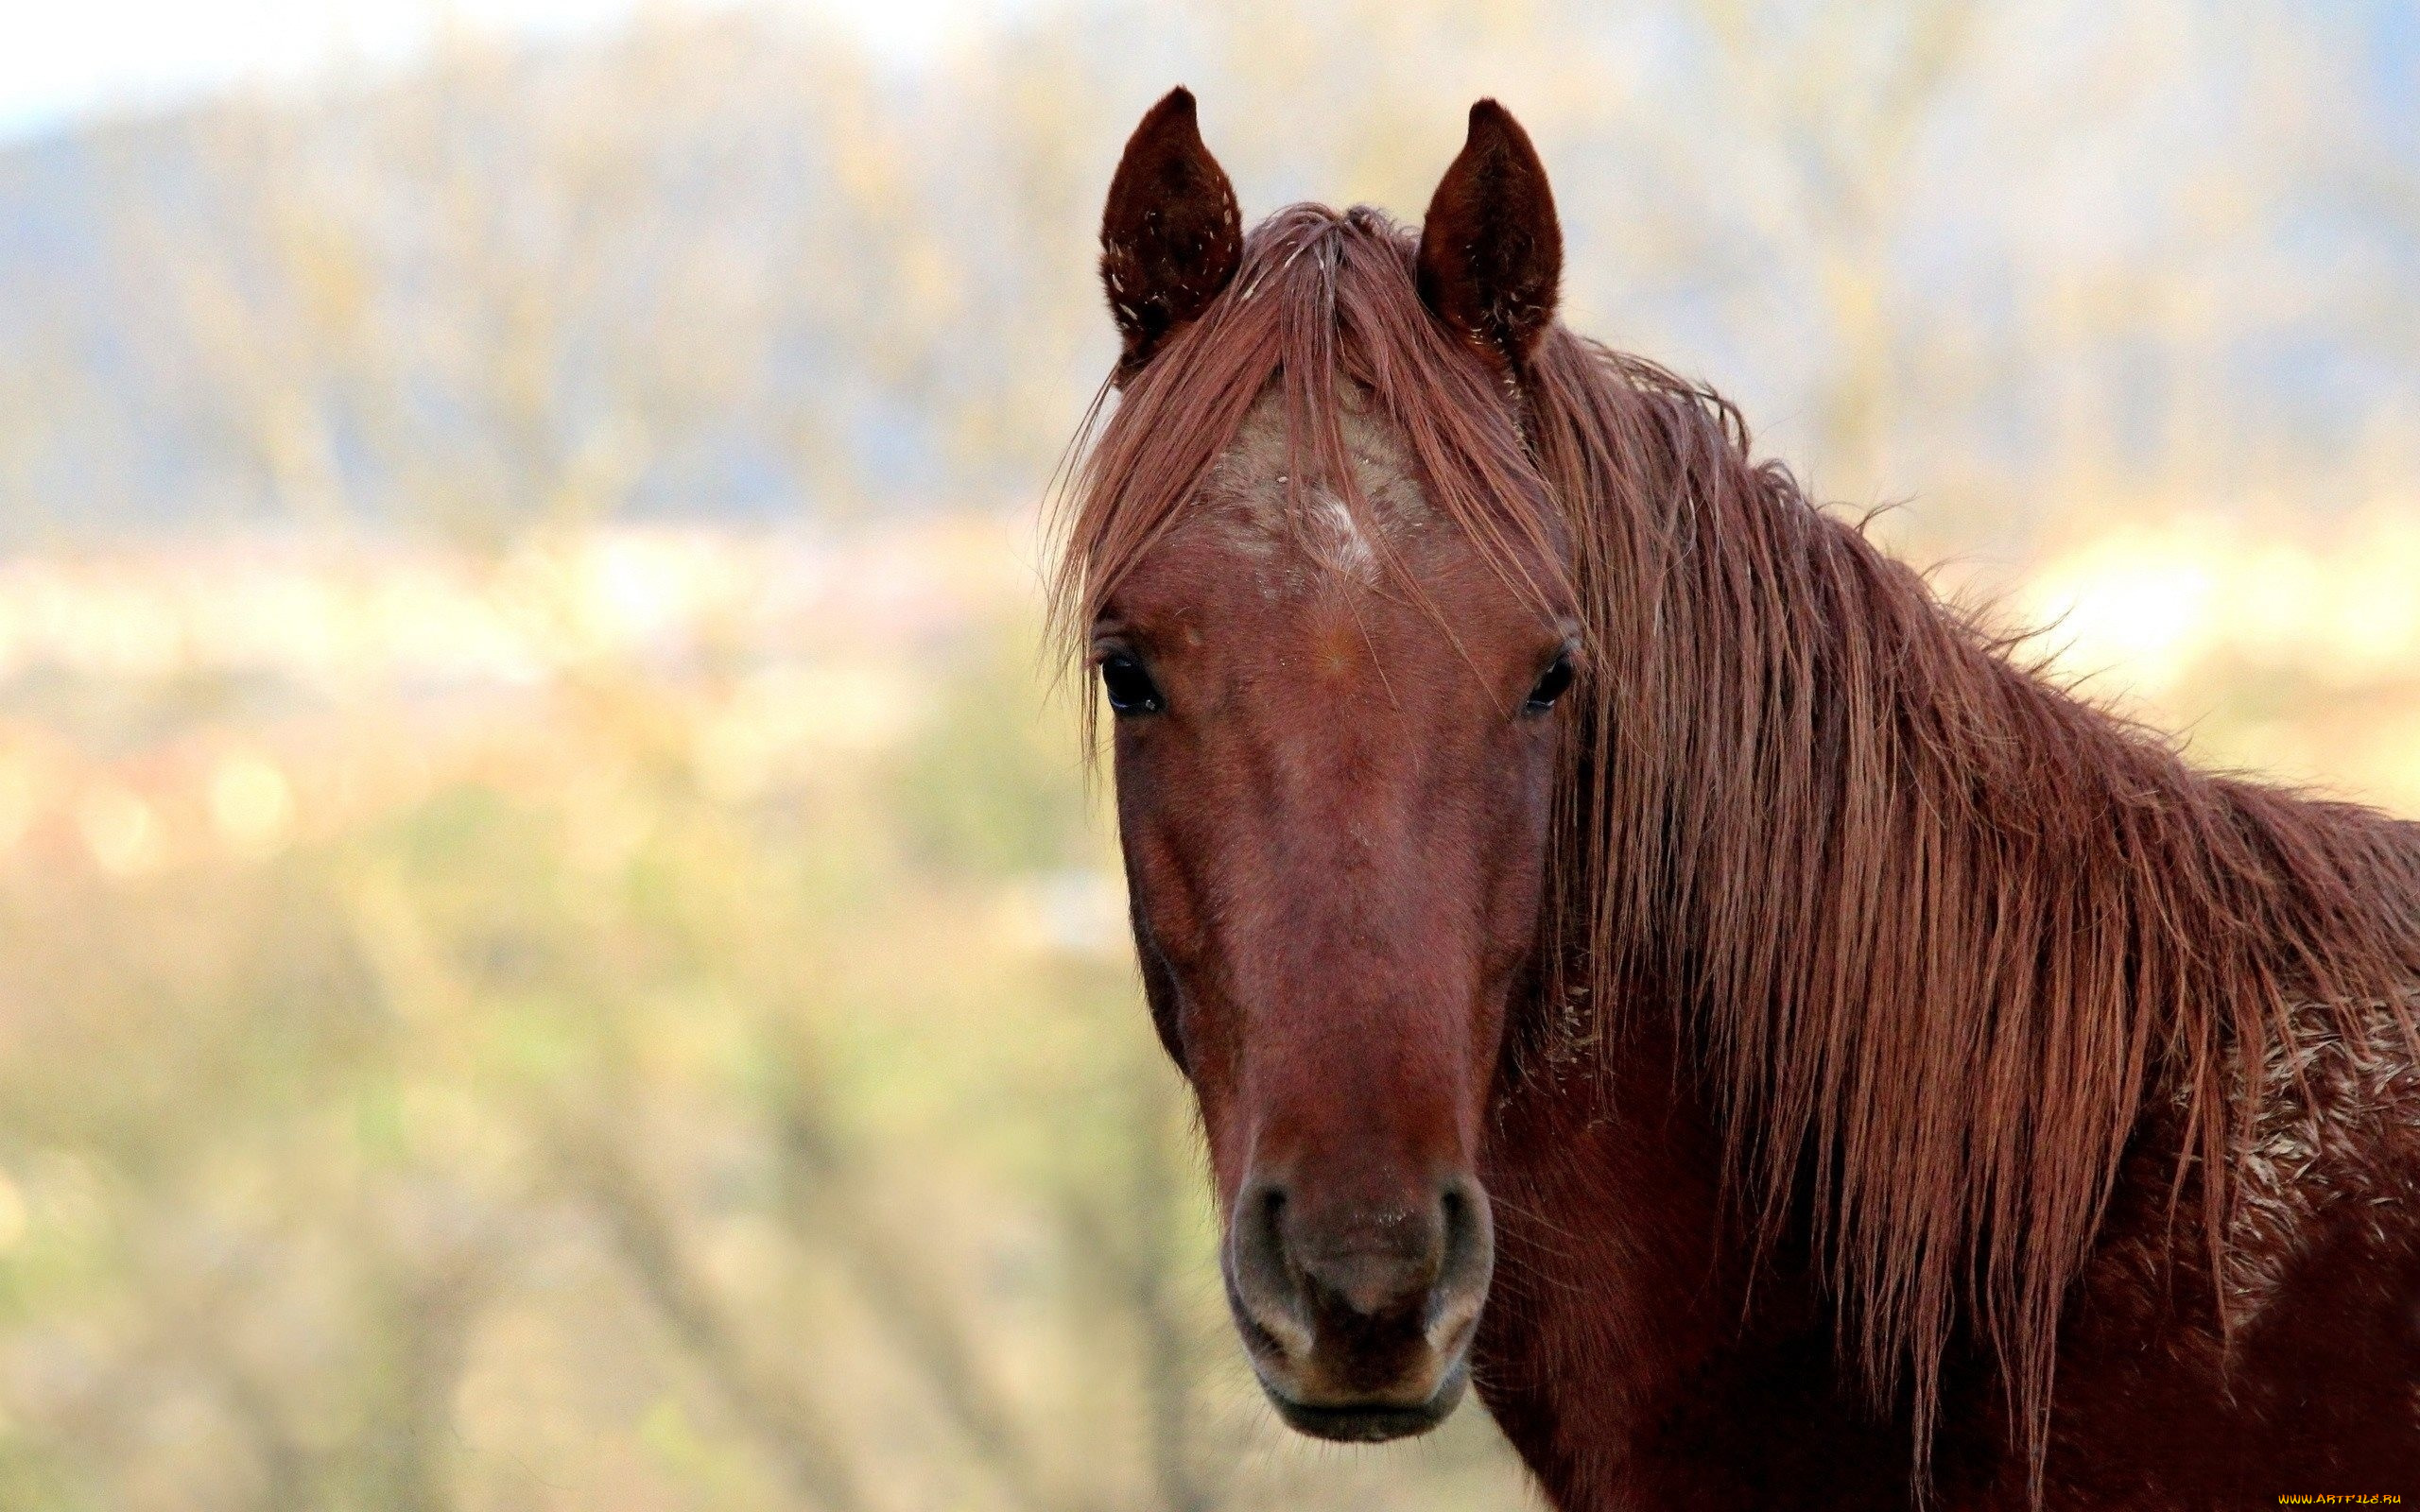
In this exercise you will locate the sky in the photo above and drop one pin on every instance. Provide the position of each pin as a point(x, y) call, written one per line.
point(82, 59)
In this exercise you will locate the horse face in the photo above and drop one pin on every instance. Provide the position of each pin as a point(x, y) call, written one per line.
point(1336, 748)
point(1335, 821)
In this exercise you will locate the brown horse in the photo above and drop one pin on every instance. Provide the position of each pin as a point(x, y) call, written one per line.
point(1638, 952)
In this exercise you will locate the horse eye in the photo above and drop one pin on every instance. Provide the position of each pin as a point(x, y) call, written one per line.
point(1552, 684)
point(1129, 688)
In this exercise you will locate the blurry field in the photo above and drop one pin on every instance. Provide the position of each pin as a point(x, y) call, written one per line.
point(2287, 646)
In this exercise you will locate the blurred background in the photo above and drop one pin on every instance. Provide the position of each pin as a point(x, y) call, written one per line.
point(554, 951)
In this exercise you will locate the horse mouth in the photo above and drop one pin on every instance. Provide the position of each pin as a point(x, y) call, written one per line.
point(1372, 1422)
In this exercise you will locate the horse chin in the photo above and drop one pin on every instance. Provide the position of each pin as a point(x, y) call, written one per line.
point(1374, 1422)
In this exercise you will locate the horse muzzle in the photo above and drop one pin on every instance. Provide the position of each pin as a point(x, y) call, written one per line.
point(1358, 1317)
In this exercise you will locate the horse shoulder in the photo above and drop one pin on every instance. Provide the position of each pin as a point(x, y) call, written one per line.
point(2295, 1364)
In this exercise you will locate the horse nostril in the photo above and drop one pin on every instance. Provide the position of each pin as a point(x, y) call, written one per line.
point(1267, 1293)
point(1468, 1233)
point(1467, 1266)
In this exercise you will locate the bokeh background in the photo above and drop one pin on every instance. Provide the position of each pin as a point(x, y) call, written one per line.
point(554, 949)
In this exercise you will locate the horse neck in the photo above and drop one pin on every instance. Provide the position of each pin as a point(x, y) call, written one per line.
point(1926, 928)
point(1844, 776)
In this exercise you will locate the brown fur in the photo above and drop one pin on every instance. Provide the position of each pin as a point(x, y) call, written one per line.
point(1170, 234)
point(1490, 248)
point(1906, 1053)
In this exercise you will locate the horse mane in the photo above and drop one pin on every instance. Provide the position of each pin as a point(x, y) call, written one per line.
point(1940, 932)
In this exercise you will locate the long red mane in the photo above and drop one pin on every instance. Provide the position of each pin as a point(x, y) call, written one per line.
point(1938, 932)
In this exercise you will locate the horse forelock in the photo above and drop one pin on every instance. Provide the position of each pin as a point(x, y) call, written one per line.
point(1316, 405)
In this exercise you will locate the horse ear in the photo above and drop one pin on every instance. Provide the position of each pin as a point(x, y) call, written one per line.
point(1171, 237)
point(1491, 251)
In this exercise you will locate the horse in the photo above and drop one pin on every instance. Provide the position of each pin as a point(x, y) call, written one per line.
point(1640, 953)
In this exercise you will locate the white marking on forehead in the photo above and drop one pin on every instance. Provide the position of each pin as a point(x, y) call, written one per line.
point(1260, 513)
point(1347, 549)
